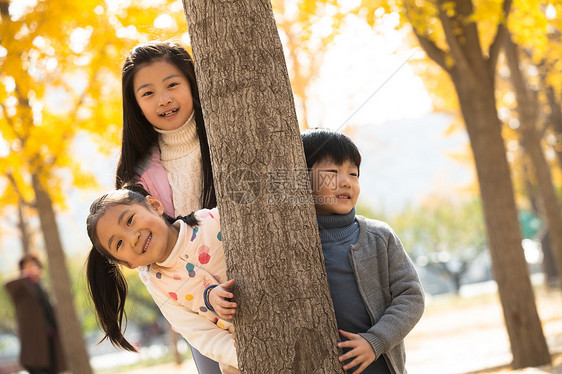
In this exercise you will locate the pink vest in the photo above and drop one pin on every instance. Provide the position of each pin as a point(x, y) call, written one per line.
point(154, 179)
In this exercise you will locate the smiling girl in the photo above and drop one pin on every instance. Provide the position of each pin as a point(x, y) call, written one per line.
point(178, 261)
point(164, 144)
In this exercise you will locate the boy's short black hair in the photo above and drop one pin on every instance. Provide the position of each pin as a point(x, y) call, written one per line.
point(321, 144)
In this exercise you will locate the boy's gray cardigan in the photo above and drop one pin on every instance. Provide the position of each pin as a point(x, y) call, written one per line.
point(390, 288)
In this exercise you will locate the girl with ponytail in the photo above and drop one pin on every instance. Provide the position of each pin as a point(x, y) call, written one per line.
point(181, 262)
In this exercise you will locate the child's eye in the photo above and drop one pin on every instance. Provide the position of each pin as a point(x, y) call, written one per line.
point(129, 221)
point(354, 174)
point(119, 244)
point(146, 93)
point(173, 84)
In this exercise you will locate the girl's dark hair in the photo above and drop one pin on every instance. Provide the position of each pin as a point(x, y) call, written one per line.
point(139, 137)
point(321, 144)
point(106, 282)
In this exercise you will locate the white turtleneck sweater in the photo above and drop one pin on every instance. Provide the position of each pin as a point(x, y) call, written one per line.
point(180, 154)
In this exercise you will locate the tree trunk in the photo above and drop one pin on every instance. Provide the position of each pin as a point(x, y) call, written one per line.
point(548, 261)
point(173, 345)
point(472, 72)
point(511, 273)
point(70, 329)
point(285, 320)
point(531, 142)
point(24, 229)
point(555, 121)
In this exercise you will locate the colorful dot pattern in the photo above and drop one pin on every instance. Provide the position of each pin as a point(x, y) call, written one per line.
point(199, 264)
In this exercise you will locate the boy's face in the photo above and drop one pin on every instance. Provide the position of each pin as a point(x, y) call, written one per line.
point(335, 187)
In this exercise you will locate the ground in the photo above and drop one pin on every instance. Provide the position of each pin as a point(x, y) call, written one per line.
point(460, 335)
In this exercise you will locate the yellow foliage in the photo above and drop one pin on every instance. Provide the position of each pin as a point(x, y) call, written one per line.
point(60, 77)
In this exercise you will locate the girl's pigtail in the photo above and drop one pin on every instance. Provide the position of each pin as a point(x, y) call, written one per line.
point(190, 219)
point(108, 289)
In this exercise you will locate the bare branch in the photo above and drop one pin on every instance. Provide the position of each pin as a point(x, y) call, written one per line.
point(433, 51)
point(14, 184)
point(499, 39)
point(457, 50)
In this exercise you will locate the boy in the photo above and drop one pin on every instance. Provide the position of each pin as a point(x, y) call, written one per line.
point(375, 289)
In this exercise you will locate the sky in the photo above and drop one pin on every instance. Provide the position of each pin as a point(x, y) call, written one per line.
point(365, 88)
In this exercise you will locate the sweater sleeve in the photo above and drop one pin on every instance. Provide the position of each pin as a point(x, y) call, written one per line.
point(205, 336)
point(407, 299)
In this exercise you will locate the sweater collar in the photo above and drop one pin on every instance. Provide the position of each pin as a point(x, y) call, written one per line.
point(179, 142)
point(336, 221)
point(178, 247)
point(337, 227)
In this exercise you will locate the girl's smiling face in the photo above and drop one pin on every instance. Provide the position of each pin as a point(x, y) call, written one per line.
point(137, 235)
point(163, 94)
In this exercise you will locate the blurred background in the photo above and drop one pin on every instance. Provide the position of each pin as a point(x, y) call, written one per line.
point(375, 70)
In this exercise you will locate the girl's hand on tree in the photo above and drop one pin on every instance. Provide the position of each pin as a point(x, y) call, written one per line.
point(361, 349)
point(225, 309)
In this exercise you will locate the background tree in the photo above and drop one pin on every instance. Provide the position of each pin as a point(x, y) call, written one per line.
point(59, 78)
point(307, 29)
point(450, 32)
point(269, 227)
point(529, 128)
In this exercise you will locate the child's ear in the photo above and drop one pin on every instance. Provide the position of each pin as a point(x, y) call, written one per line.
point(155, 204)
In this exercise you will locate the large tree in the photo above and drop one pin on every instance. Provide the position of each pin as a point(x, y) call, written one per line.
point(452, 35)
point(472, 70)
point(285, 321)
point(528, 107)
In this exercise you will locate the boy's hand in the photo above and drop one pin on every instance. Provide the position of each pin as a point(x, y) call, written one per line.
point(360, 349)
point(217, 298)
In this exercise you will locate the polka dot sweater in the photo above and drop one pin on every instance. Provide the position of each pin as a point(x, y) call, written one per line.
point(177, 285)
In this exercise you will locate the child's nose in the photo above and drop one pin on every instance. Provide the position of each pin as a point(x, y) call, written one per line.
point(165, 100)
point(134, 237)
point(344, 180)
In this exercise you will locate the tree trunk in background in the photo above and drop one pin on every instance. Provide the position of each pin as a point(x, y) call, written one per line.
point(528, 344)
point(173, 345)
point(24, 230)
point(531, 142)
point(548, 261)
point(285, 321)
point(555, 121)
point(69, 327)
point(472, 72)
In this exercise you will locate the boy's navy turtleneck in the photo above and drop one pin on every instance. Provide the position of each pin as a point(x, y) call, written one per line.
point(338, 228)
point(338, 233)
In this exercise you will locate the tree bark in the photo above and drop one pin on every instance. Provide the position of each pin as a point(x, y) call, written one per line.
point(285, 320)
point(69, 327)
point(24, 229)
point(173, 339)
point(555, 121)
point(531, 141)
point(473, 76)
point(548, 261)
point(511, 273)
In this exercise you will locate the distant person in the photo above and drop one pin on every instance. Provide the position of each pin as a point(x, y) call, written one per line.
point(180, 261)
point(164, 144)
point(40, 351)
point(375, 289)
